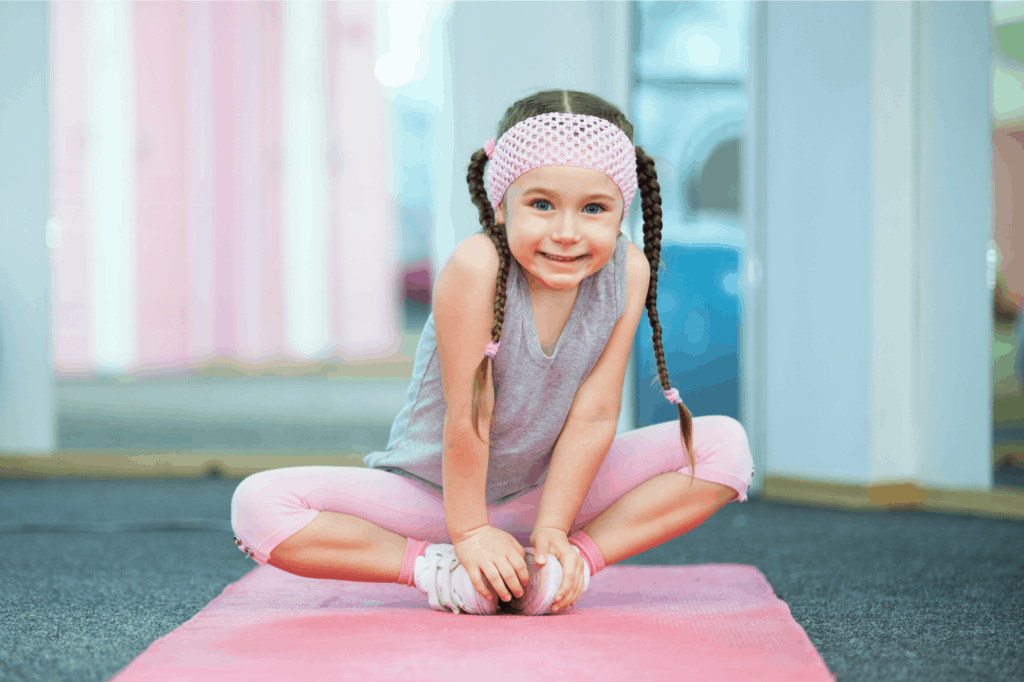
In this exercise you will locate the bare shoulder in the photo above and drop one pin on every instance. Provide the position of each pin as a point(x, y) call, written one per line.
point(463, 307)
point(471, 269)
point(478, 251)
point(638, 272)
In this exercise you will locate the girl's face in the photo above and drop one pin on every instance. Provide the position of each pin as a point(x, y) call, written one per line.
point(561, 211)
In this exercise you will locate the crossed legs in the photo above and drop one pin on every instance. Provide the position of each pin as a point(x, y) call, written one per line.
point(639, 500)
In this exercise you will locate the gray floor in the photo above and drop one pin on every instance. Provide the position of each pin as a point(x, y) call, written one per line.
point(882, 595)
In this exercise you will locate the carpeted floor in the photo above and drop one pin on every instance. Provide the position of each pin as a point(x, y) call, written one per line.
point(884, 596)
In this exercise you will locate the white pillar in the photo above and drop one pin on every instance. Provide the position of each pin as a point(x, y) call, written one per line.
point(871, 214)
point(27, 414)
point(753, 412)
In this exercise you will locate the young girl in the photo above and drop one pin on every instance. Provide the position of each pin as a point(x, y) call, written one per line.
point(533, 319)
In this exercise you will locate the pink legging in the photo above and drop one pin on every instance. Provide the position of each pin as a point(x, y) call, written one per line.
point(271, 506)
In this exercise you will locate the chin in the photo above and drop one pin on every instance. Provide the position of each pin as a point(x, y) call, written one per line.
point(564, 286)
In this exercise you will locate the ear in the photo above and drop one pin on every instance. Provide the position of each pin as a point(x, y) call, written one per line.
point(499, 214)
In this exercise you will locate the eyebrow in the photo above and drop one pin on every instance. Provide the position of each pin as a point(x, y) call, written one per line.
point(542, 190)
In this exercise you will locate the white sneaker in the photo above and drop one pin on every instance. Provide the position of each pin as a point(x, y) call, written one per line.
point(539, 593)
point(440, 576)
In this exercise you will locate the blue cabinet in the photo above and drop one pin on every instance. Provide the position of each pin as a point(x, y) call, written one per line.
point(699, 311)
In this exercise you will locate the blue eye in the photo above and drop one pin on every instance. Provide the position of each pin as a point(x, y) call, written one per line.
point(545, 201)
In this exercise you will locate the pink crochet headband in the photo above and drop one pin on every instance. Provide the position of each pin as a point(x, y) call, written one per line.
point(561, 139)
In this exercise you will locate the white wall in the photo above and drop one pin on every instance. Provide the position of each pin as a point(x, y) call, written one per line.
point(871, 347)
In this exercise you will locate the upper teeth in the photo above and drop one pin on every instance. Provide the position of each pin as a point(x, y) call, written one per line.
point(558, 257)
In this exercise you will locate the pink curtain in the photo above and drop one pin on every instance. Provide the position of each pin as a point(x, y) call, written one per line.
point(210, 275)
point(161, 42)
point(69, 265)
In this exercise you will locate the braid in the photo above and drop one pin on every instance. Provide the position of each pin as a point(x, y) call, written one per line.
point(478, 194)
point(650, 203)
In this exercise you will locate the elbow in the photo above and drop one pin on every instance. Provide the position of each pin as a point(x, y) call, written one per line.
point(597, 417)
point(462, 431)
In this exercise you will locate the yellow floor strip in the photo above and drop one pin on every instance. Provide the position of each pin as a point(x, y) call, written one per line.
point(1004, 503)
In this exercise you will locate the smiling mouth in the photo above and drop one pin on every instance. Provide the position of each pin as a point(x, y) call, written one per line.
point(561, 260)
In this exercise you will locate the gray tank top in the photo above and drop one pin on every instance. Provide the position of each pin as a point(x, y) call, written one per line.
point(533, 390)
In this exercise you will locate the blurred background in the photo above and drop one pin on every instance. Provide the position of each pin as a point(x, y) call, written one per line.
point(223, 221)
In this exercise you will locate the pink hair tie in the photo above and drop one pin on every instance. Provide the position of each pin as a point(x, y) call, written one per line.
point(489, 146)
point(492, 349)
point(673, 396)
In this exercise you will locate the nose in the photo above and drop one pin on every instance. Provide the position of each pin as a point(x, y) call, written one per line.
point(567, 229)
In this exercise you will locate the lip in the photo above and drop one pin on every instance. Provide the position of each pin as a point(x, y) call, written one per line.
point(575, 258)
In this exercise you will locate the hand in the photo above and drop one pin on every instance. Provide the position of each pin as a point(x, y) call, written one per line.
point(555, 542)
point(492, 553)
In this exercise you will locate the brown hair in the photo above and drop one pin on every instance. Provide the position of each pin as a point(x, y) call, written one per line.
point(572, 101)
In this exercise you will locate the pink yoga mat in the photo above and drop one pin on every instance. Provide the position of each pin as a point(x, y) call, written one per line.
point(706, 623)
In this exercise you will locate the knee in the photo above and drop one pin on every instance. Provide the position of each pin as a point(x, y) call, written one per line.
point(735, 435)
point(732, 430)
point(245, 499)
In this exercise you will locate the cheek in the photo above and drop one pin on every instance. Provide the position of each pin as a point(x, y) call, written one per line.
point(608, 244)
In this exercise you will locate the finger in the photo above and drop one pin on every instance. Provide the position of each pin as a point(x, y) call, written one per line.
point(476, 576)
point(579, 588)
point(496, 581)
point(540, 552)
point(570, 587)
point(573, 595)
point(511, 579)
point(522, 570)
point(566, 599)
point(563, 588)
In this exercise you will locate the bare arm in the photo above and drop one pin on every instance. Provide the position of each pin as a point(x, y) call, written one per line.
point(578, 454)
point(463, 318)
point(463, 304)
point(464, 473)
